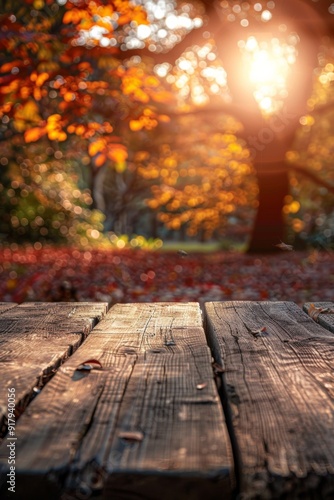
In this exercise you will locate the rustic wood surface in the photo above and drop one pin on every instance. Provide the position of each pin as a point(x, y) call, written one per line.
point(324, 315)
point(4, 306)
point(279, 386)
point(145, 423)
point(35, 338)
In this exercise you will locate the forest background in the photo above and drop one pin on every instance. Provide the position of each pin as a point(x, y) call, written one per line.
point(128, 124)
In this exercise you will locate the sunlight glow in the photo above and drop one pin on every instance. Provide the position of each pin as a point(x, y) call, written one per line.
point(268, 64)
point(266, 15)
point(196, 75)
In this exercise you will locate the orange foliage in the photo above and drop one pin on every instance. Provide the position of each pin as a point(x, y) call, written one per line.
point(201, 190)
point(100, 160)
point(96, 147)
point(54, 128)
point(39, 79)
point(104, 148)
point(117, 153)
point(34, 134)
point(74, 15)
point(71, 85)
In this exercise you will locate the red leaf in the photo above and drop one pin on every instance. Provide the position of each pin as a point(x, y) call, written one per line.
point(259, 332)
point(315, 311)
point(131, 435)
point(89, 365)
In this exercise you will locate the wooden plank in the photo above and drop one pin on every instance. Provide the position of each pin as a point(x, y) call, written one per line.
point(148, 425)
point(323, 313)
point(4, 306)
point(279, 388)
point(35, 338)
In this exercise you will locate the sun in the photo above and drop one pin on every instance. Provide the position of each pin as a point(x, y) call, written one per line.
point(267, 66)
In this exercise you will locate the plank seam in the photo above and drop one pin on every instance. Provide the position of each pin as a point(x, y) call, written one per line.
point(224, 401)
point(223, 397)
point(46, 375)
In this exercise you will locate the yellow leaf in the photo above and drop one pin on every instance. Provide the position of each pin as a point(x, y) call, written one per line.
point(62, 136)
point(41, 79)
point(53, 123)
point(69, 96)
point(38, 4)
point(80, 130)
point(71, 129)
point(107, 127)
point(118, 153)
point(164, 118)
point(135, 125)
point(12, 87)
point(141, 156)
point(96, 147)
point(152, 81)
point(20, 125)
point(7, 67)
point(148, 112)
point(162, 96)
point(100, 160)
point(49, 66)
point(56, 117)
point(53, 135)
point(33, 134)
point(28, 111)
point(72, 16)
point(120, 167)
point(37, 94)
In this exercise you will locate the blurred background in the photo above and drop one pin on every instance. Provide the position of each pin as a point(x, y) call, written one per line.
point(129, 130)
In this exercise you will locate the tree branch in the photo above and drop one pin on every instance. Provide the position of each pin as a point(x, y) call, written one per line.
point(310, 175)
point(328, 106)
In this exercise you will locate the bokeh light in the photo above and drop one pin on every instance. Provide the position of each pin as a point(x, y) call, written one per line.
point(267, 65)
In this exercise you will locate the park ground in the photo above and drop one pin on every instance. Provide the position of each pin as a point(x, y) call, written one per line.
point(36, 273)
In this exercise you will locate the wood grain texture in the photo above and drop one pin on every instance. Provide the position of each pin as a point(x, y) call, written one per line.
point(4, 306)
point(279, 387)
point(149, 424)
point(35, 338)
point(325, 319)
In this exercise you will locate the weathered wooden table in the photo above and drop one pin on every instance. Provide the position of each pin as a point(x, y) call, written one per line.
point(165, 401)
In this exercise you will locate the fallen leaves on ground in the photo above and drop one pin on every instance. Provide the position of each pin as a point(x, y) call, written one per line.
point(125, 275)
point(284, 246)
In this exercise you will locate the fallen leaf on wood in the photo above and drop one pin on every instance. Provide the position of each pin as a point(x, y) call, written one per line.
point(217, 368)
point(201, 386)
point(89, 365)
point(131, 435)
point(259, 332)
point(170, 342)
point(315, 311)
point(284, 246)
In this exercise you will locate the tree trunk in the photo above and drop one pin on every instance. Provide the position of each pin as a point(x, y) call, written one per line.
point(269, 224)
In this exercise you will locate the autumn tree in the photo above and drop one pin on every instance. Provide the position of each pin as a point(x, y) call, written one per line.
point(62, 84)
point(274, 54)
point(201, 182)
point(83, 71)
